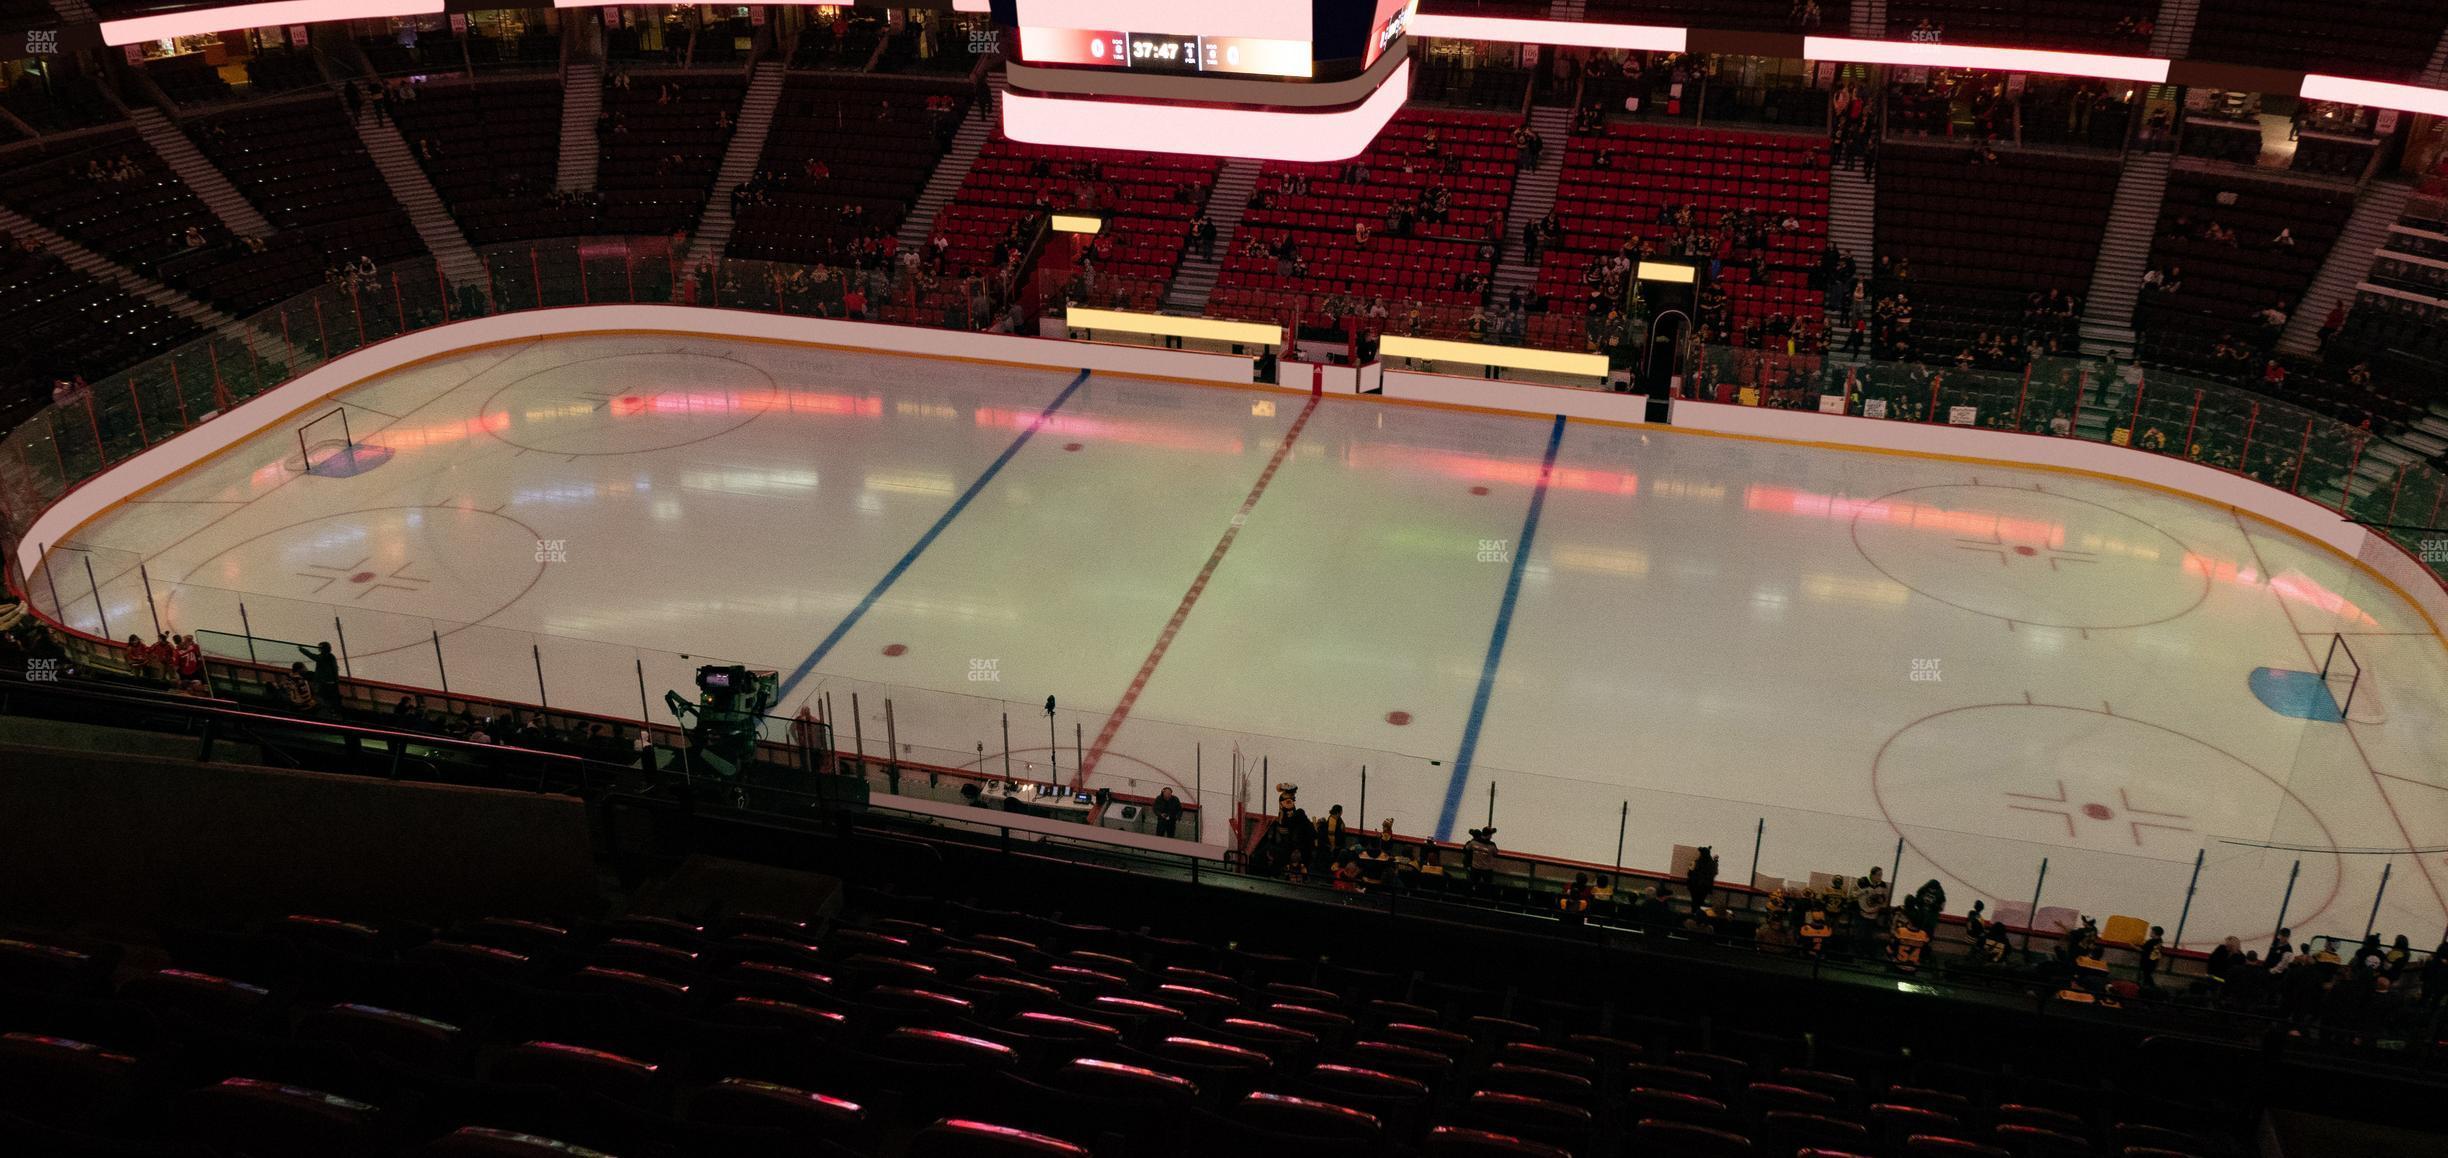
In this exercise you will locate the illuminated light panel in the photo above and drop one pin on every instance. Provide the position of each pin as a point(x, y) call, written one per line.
point(1654, 38)
point(1202, 131)
point(1515, 357)
point(1078, 223)
point(1210, 329)
point(264, 15)
point(1667, 271)
point(2375, 94)
point(2146, 69)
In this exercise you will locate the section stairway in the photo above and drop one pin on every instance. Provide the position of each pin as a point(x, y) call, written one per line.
point(2125, 245)
point(108, 272)
point(1534, 193)
point(952, 168)
point(1853, 228)
point(2172, 32)
point(210, 184)
point(1195, 280)
point(415, 193)
point(756, 118)
point(581, 153)
point(2349, 262)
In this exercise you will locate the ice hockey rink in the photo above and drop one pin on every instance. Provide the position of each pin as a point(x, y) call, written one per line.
point(1595, 634)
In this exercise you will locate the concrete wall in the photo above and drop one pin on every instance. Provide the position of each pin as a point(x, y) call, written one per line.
point(89, 837)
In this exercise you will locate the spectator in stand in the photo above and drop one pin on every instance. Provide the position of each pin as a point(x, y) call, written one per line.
point(1574, 906)
point(296, 693)
point(140, 658)
point(1479, 859)
point(186, 659)
point(1167, 810)
point(2331, 325)
point(1331, 830)
point(326, 675)
point(1701, 878)
point(2435, 975)
point(1347, 873)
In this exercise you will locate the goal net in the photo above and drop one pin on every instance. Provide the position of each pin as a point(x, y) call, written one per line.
point(2350, 684)
point(325, 441)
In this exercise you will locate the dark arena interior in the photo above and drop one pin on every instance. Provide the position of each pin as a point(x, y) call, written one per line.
point(1339, 578)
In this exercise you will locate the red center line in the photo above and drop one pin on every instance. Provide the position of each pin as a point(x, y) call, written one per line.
point(1190, 598)
point(2420, 862)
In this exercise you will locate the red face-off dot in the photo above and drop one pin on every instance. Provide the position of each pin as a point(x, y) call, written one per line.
point(1073, 445)
point(1398, 719)
point(896, 649)
point(2098, 812)
point(362, 577)
point(1479, 490)
point(2027, 550)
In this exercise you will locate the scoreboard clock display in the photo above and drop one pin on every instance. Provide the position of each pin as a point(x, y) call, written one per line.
point(1164, 52)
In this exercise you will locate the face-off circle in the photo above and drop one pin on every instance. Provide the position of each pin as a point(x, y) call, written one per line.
point(2029, 556)
point(628, 403)
point(393, 575)
point(1982, 793)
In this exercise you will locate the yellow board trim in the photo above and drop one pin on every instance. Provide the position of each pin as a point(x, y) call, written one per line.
point(1478, 354)
point(1165, 325)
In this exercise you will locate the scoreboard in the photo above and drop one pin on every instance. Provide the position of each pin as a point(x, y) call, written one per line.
point(1273, 39)
point(1165, 52)
point(1292, 80)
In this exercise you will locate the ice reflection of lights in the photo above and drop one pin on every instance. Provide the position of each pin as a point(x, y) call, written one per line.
point(747, 481)
point(909, 483)
point(1923, 517)
point(685, 402)
point(1600, 559)
point(2292, 586)
point(1086, 429)
point(1854, 589)
point(1686, 489)
point(1481, 468)
point(561, 493)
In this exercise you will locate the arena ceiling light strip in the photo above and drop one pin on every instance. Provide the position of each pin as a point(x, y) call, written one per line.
point(2375, 94)
point(1137, 126)
point(1650, 37)
point(2145, 69)
point(197, 21)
